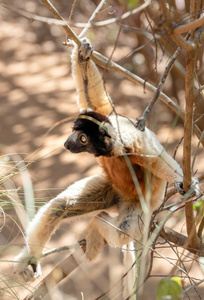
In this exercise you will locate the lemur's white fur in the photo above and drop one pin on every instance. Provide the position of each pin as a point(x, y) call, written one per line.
point(98, 193)
point(89, 83)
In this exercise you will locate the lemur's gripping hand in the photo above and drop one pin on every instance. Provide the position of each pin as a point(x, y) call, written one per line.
point(85, 49)
point(22, 263)
point(194, 188)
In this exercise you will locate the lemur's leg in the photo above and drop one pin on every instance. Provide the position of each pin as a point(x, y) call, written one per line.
point(89, 83)
point(85, 196)
point(116, 231)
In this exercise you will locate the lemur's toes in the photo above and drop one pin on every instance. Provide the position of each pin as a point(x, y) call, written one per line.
point(194, 188)
point(85, 49)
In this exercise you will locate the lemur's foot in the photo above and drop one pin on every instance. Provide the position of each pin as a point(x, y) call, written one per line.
point(141, 124)
point(21, 266)
point(94, 243)
point(85, 49)
point(194, 188)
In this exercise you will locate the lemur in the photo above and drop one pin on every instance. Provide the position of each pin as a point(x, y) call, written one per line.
point(135, 170)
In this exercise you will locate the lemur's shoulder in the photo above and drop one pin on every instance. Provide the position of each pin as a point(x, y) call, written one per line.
point(129, 136)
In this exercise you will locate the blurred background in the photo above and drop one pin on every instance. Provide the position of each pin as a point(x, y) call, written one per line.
point(38, 106)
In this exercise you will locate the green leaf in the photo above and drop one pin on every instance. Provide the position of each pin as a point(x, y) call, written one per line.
point(169, 288)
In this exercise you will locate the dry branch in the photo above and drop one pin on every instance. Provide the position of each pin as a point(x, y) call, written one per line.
point(188, 27)
point(68, 265)
point(105, 63)
point(142, 120)
point(91, 18)
point(61, 271)
point(191, 60)
point(52, 21)
point(188, 125)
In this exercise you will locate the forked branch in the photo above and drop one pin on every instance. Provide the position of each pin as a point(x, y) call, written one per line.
point(108, 64)
point(191, 59)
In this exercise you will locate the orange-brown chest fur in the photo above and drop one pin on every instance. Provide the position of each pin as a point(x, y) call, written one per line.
point(118, 173)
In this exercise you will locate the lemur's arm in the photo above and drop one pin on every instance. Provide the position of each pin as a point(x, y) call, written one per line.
point(89, 82)
point(145, 150)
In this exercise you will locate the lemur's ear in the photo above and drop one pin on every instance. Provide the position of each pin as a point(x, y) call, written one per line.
point(107, 129)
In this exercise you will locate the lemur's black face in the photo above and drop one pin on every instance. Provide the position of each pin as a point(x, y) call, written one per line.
point(90, 135)
point(79, 141)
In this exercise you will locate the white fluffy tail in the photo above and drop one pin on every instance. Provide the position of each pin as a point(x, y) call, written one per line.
point(131, 269)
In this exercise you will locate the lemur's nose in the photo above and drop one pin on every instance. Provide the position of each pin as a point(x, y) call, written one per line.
point(66, 145)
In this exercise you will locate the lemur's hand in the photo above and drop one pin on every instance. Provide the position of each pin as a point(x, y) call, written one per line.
point(85, 49)
point(194, 188)
point(21, 266)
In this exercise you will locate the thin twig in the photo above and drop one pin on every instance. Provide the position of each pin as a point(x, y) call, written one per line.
point(124, 16)
point(141, 121)
point(62, 270)
point(180, 240)
point(65, 26)
point(63, 248)
point(110, 65)
point(60, 22)
point(193, 285)
point(104, 62)
point(87, 26)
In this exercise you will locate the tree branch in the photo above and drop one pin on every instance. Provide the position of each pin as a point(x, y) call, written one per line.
point(141, 121)
point(190, 48)
point(88, 24)
point(61, 271)
point(188, 27)
point(188, 125)
point(105, 63)
point(181, 240)
point(91, 18)
point(57, 15)
point(200, 228)
point(63, 248)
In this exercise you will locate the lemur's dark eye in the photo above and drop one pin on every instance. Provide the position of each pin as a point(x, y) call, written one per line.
point(83, 138)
